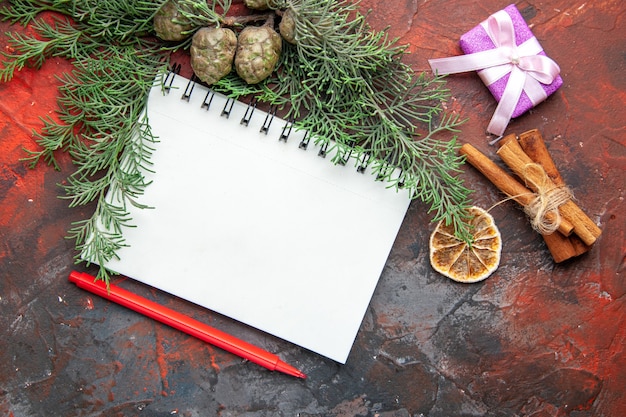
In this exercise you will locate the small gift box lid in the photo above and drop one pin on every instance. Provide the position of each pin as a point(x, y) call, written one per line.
point(511, 63)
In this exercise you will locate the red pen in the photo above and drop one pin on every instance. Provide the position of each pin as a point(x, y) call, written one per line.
point(184, 323)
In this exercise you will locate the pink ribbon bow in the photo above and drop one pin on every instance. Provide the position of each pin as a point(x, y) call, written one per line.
point(527, 69)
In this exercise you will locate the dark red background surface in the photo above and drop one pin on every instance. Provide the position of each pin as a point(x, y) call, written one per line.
point(535, 339)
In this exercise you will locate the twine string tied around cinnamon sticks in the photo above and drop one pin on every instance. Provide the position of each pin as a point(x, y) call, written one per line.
point(548, 198)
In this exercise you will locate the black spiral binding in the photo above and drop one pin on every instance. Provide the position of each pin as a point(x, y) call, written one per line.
point(323, 150)
point(228, 107)
point(345, 158)
point(245, 120)
point(189, 89)
point(304, 143)
point(362, 164)
point(169, 78)
point(382, 172)
point(268, 119)
point(284, 135)
point(206, 103)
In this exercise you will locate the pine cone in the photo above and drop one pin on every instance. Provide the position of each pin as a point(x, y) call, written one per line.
point(287, 26)
point(212, 53)
point(258, 51)
point(169, 23)
point(256, 4)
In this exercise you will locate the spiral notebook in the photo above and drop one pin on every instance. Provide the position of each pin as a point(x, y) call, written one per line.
point(250, 222)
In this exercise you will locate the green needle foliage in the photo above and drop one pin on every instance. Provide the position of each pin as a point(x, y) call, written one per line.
point(100, 120)
point(342, 82)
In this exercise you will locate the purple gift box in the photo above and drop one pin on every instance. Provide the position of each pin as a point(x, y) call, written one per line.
point(511, 63)
point(477, 40)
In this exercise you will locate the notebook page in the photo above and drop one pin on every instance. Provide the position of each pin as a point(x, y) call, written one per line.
point(256, 228)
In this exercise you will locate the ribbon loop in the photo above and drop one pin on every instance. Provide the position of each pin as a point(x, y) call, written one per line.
point(540, 67)
point(527, 69)
point(500, 29)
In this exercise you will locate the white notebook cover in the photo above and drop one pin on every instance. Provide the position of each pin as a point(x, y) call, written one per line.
point(256, 228)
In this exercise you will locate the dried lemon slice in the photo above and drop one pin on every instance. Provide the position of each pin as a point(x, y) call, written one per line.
point(461, 262)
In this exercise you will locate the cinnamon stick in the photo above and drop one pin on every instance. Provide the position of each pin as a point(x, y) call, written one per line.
point(534, 146)
point(514, 156)
point(505, 182)
point(561, 247)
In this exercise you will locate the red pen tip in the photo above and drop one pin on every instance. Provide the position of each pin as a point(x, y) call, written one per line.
point(289, 370)
point(300, 374)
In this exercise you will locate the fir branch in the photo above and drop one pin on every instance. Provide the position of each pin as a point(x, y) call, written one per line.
point(202, 13)
point(96, 26)
point(61, 40)
point(51, 138)
point(111, 21)
point(115, 147)
point(335, 45)
point(24, 12)
point(119, 20)
point(101, 121)
point(94, 242)
point(106, 97)
point(99, 238)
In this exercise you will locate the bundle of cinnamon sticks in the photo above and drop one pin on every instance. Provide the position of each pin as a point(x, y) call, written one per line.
point(566, 229)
